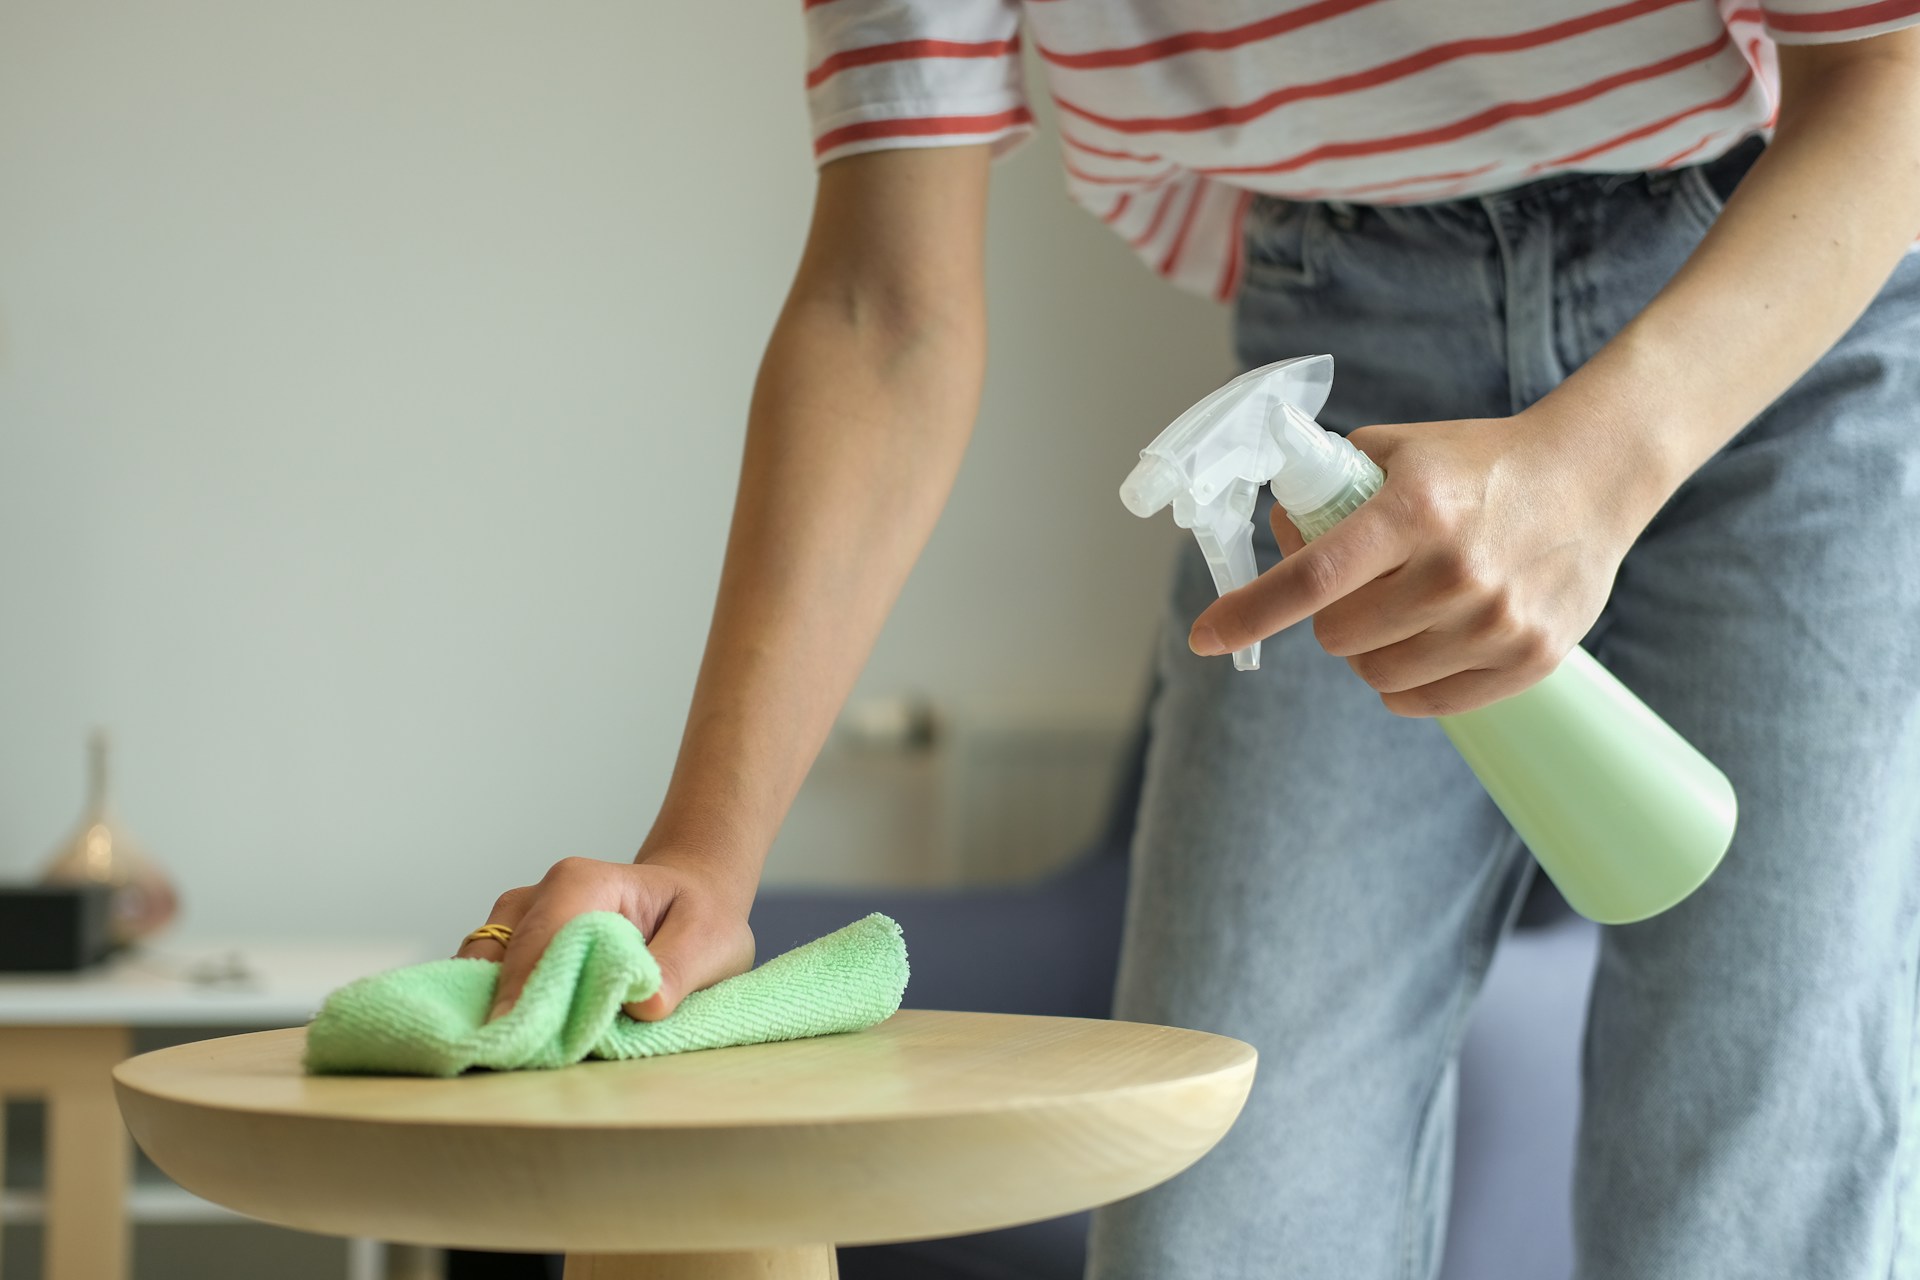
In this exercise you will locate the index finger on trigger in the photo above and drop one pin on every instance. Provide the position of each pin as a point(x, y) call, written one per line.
point(1337, 563)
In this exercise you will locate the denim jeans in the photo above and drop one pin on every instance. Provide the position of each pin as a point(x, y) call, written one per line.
point(1327, 881)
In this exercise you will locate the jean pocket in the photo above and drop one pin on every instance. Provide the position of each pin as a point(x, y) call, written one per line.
point(1698, 198)
point(1282, 241)
point(1705, 188)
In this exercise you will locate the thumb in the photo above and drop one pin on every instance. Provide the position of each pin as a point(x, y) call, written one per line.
point(694, 951)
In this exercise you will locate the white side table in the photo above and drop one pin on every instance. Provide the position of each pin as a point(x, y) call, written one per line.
point(62, 1034)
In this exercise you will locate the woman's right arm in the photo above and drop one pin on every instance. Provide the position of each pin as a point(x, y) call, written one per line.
point(860, 416)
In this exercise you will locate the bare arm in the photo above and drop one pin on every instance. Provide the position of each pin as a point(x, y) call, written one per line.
point(861, 413)
point(1813, 232)
point(863, 408)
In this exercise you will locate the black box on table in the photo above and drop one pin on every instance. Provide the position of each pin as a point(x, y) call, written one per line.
point(49, 928)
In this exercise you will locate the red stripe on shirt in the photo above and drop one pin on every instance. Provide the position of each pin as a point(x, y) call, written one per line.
point(1484, 120)
point(1131, 179)
point(906, 50)
point(1145, 238)
point(1236, 231)
point(1186, 225)
point(920, 127)
point(1187, 41)
point(1369, 188)
point(1108, 152)
point(1860, 15)
point(812, 4)
point(1648, 130)
point(1119, 208)
point(1684, 152)
point(1372, 77)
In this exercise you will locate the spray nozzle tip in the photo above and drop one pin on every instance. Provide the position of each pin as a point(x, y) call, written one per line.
point(1150, 486)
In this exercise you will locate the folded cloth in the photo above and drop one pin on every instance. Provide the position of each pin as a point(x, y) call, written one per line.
point(431, 1019)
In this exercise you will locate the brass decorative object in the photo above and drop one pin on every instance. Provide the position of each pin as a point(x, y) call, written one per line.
point(99, 851)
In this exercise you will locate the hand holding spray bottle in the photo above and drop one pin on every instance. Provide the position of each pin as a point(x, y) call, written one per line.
point(1620, 810)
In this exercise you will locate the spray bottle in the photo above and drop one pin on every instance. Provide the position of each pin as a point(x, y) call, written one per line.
point(1620, 810)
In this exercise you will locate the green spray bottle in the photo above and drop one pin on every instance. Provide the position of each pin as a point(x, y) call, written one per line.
point(1620, 810)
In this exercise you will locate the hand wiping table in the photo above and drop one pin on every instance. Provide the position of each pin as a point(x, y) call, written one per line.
point(431, 1019)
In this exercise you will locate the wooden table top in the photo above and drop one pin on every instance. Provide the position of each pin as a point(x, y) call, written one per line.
point(927, 1124)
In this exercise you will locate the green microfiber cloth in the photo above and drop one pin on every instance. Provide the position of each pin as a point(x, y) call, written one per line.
point(430, 1019)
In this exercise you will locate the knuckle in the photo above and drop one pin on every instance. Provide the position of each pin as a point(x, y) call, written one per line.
point(1322, 572)
point(1421, 507)
point(570, 868)
point(512, 899)
point(1467, 576)
point(1538, 653)
point(1500, 615)
point(1332, 633)
point(1373, 671)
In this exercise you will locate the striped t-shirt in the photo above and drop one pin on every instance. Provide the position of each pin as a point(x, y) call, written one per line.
point(1173, 113)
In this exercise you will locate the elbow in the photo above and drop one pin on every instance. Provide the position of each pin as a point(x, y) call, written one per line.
point(899, 322)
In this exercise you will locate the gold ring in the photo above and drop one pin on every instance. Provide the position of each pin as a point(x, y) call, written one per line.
point(499, 933)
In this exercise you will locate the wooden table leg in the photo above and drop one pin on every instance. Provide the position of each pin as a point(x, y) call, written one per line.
point(3, 1168)
point(89, 1160)
point(807, 1262)
point(89, 1154)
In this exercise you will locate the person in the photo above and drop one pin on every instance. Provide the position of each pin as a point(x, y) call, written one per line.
point(1622, 302)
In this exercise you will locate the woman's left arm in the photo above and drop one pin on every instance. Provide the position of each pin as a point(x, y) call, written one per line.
point(1493, 545)
point(1806, 241)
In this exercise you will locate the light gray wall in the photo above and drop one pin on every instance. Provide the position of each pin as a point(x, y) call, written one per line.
point(372, 381)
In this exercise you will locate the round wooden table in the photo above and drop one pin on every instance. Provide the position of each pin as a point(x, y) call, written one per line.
point(751, 1161)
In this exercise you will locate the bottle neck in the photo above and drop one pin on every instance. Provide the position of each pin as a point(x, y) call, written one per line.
point(1364, 479)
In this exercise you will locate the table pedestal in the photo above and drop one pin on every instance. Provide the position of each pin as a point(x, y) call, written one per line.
point(807, 1262)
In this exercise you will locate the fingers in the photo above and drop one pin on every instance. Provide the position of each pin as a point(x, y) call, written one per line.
point(695, 948)
point(665, 946)
point(1340, 561)
point(530, 939)
point(1424, 659)
point(694, 923)
point(1446, 674)
point(507, 910)
point(571, 887)
point(1387, 611)
point(1455, 695)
